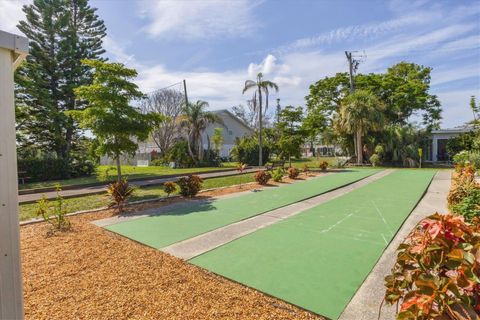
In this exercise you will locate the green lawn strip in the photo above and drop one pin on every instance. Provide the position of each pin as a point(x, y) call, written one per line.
point(184, 223)
point(319, 258)
point(107, 173)
point(27, 211)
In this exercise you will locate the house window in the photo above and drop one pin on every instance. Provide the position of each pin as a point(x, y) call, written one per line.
point(230, 132)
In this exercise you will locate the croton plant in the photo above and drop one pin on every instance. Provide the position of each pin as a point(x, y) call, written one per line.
point(436, 274)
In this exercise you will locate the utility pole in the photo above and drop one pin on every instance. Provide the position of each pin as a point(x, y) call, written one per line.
point(185, 91)
point(351, 71)
point(352, 67)
point(13, 50)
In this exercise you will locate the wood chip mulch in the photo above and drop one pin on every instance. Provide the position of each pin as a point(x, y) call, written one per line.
point(90, 273)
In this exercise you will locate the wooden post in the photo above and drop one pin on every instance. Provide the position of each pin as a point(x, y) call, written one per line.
point(13, 50)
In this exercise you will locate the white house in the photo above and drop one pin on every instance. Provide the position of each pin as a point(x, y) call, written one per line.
point(437, 145)
point(232, 126)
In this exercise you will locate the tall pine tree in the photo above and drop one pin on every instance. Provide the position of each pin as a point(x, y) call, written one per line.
point(61, 33)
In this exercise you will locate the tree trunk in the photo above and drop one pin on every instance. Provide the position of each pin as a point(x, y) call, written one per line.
point(260, 126)
point(119, 168)
point(189, 138)
point(359, 146)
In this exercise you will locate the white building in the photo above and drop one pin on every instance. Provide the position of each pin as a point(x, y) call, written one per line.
point(232, 126)
point(437, 146)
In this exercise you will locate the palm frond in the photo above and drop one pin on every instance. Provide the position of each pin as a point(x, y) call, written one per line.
point(248, 85)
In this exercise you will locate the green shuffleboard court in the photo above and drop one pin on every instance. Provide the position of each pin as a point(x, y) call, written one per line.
point(183, 223)
point(320, 257)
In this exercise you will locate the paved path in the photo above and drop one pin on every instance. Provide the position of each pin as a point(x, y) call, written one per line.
point(195, 246)
point(366, 302)
point(28, 198)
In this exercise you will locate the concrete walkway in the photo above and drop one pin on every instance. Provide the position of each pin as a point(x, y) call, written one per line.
point(366, 302)
point(29, 198)
point(195, 246)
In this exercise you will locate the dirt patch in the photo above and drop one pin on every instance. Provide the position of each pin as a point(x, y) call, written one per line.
point(90, 273)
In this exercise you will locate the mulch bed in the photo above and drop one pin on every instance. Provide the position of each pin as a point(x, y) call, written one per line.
point(90, 273)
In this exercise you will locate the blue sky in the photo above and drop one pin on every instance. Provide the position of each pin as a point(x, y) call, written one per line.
point(216, 45)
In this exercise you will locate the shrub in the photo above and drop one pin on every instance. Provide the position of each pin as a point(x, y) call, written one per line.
point(469, 206)
point(119, 192)
point(277, 174)
point(157, 162)
point(178, 153)
point(43, 169)
point(169, 187)
point(375, 159)
point(262, 177)
point(467, 157)
point(306, 169)
point(437, 268)
point(54, 214)
point(293, 172)
point(323, 165)
point(246, 151)
point(190, 185)
point(464, 196)
point(241, 167)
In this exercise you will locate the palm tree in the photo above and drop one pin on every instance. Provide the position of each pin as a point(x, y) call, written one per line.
point(360, 112)
point(261, 87)
point(195, 120)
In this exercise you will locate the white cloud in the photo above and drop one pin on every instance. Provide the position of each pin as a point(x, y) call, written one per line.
point(361, 31)
point(11, 13)
point(190, 20)
point(458, 110)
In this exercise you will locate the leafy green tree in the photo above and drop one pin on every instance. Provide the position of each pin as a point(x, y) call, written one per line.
point(360, 113)
point(314, 124)
point(116, 125)
point(291, 135)
point(194, 120)
point(475, 109)
point(61, 34)
point(403, 89)
point(217, 139)
point(261, 88)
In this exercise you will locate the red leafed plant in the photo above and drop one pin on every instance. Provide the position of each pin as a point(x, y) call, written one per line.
point(323, 165)
point(293, 172)
point(436, 274)
point(190, 185)
point(262, 177)
point(119, 192)
point(169, 187)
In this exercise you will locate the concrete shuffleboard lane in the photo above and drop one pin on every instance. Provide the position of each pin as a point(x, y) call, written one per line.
point(188, 221)
point(320, 257)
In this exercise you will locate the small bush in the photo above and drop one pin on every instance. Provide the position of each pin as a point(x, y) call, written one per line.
point(469, 205)
point(277, 174)
point(437, 270)
point(190, 185)
point(54, 214)
point(157, 163)
point(375, 159)
point(262, 177)
point(293, 172)
point(246, 150)
point(169, 187)
point(306, 169)
point(323, 165)
point(467, 157)
point(119, 192)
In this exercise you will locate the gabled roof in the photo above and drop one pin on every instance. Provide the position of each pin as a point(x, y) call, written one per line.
point(237, 119)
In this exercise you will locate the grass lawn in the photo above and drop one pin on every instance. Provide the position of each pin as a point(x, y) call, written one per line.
point(312, 163)
point(108, 173)
point(27, 211)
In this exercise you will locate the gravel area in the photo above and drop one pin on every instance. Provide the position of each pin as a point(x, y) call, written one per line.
point(90, 273)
